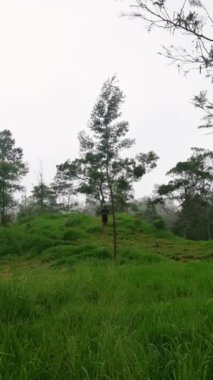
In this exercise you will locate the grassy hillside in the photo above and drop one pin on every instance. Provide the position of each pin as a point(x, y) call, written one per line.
point(68, 312)
point(65, 239)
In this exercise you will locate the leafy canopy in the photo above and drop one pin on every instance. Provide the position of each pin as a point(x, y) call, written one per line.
point(12, 169)
point(101, 169)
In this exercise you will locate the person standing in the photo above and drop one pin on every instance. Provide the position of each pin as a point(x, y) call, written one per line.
point(104, 213)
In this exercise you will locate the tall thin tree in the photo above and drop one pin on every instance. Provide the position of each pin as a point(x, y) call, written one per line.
point(100, 169)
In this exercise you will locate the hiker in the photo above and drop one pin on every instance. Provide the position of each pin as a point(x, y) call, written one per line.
point(104, 213)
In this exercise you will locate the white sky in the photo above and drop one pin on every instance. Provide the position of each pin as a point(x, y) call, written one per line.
point(55, 56)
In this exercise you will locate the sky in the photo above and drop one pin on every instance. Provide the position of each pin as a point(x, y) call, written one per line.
point(56, 55)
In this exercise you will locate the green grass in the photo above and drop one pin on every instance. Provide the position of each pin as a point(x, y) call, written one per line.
point(68, 312)
point(34, 237)
point(150, 321)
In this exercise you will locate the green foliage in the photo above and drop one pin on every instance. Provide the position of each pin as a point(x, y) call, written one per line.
point(192, 188)
point(43, 198)
point(100, 166)
point(12, 169)
point(101, 171)
point(62, 187)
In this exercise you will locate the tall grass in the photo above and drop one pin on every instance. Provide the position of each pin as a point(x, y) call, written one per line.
point(68, 312)
point(100, 321)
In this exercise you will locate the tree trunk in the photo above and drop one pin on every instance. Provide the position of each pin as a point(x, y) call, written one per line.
point(3, 211)
point(184, 225)
point(112, 199)
point(102, 198)
point(208, 222)
point(114, 227)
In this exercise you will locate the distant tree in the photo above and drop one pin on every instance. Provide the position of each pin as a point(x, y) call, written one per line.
point(63, 187)
point(145, 207)
point(168, 212)
point(12, 169)
point(191, 188)
point(198, 223)
point(155, 211)
point(193, 20)
point(43, 197)
point(100, 170)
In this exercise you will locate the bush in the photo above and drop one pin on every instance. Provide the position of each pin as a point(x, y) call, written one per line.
point(159, 224)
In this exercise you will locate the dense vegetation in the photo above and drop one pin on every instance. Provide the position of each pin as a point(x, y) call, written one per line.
point(67, 311)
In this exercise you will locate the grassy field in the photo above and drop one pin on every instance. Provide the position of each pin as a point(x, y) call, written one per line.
point(68, 312)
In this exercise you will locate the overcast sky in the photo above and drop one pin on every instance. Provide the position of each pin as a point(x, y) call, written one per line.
point(55, 56)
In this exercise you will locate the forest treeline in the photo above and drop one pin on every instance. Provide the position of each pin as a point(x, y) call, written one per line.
point(184, 204)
